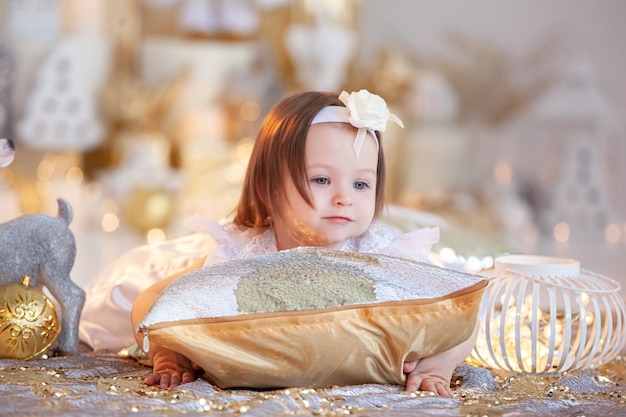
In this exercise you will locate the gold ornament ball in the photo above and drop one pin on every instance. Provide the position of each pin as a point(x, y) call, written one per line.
point(29, 324)
point(148, 209)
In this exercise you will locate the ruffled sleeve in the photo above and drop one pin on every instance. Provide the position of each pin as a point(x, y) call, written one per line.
point(384, 239)
point(416, 245)
point(224, 240)
point(233, 242)
point(105, 320)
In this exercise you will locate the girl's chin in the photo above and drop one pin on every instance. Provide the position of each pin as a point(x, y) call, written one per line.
point(336, 244)
point(331, 240)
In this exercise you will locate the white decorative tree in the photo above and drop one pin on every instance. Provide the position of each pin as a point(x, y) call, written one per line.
point(61, 111)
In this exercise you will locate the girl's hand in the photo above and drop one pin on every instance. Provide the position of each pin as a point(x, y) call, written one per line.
point(434, 373)
point(418, 380)
point(171, 369)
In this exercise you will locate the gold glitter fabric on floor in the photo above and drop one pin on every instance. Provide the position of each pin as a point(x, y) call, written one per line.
point(104, 384)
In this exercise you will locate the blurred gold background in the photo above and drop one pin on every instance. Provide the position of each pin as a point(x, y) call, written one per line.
point(142, 112)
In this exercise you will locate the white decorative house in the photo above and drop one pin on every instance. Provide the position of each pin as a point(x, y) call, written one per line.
point(575, 155)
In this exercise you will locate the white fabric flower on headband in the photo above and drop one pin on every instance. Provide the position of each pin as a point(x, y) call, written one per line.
point(368, 110)
point(364, 110)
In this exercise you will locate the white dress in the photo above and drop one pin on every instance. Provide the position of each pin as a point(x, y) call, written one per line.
point(105, 321)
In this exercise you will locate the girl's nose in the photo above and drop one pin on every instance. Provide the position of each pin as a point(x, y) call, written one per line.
point(342, 198)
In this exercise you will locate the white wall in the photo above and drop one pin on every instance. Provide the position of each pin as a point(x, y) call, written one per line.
point(595, 28)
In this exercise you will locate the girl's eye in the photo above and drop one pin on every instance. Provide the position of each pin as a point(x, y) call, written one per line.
point(321, 180)
point(360, 185)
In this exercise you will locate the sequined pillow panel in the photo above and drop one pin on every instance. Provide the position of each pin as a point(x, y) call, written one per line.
point(313, 317)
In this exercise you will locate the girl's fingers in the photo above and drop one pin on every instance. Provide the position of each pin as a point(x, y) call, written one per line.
point(188, 376)
point(414, 382)
point(409, 367)
point(165, 381)
point(153, 379)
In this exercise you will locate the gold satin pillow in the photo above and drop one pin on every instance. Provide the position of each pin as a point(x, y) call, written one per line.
point(313, 317)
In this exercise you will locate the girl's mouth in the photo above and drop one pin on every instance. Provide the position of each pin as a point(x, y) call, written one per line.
point(338, 219)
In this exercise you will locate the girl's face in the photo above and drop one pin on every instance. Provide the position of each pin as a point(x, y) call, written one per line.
point(342, 189)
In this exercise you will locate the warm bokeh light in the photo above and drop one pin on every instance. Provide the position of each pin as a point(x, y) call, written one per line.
point(155, 236)
point(561, 232)
point(487, 262)
point(473, 264)
point(250, 111)
point(45, 169)
point(503, 173)
point(110, 222)
point(241, 153)
point(612, 233)
point(74, 176)
point(447, 255)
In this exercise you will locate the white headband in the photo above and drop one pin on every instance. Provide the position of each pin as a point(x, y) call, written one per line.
point(364, 110)
point(340, 114)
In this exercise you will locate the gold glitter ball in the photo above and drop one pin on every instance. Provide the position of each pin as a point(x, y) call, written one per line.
point(29, 324)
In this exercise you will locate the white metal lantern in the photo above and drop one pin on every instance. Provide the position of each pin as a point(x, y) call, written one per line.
point(547, 315)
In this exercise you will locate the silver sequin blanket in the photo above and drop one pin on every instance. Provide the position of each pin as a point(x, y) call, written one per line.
point(105, 384)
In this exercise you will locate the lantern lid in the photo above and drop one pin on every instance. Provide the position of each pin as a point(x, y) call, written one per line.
point(537, 266)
